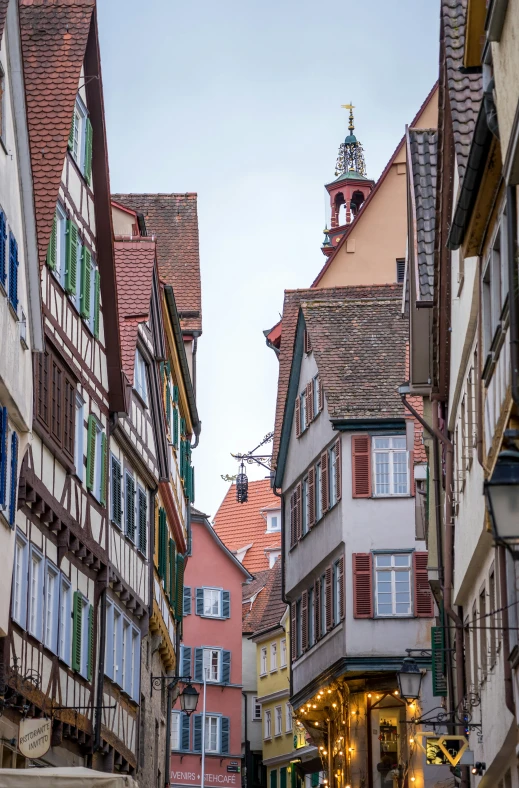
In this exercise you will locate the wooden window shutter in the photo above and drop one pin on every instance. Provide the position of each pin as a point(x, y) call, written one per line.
point(329, 605)
point(225, 737)
point(362, 585)
point(3, 239)
point(293, 519)
point(197, 728)
point(91, 452)
point(41, 387)
point(71, 257)
point(130, 507)
point(293, 631)
point(13, 271)
point(168, 402)
point(69, 421)
point(342, 600)
point(116, 491)
point(299, 512)
point(317, 608)
point(4, 429)
point(304, 620)
point(338, 469)
point(226, 666)
point(97, 302)
point(423, 599)
point(51, 251)
point(71, 133)
point(56, 402)
point(90, 663)
point(179, 580)
point(86, 278)
point(226, 604)
point(104, 460)
point(298, 416)
point(143, 522)
point(311, 497)
point(361, 465)
point(307, 342)
point(309, 403)
point(162, 528)
point(199, 596)
point(88, 151)
point(439, 678)
point(325, 497)
point(77, 615)
point(14, 479)
point(172, 558)
point(321, 394)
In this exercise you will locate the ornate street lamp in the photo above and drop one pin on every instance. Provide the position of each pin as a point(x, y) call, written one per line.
point(409, 679)
point(502, 493)
point(189, 699)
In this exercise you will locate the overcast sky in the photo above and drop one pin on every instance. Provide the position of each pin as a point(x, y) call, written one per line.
point(240, 101)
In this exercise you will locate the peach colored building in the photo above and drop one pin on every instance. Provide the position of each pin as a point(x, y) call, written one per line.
point(212, 643)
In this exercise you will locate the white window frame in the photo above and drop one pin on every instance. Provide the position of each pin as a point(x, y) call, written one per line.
point(78, 147)
point(267, 724)
point(51, 606)
point(176, 732)
point(318, 492)
point(289, 725)
point(20, 580)
point(302, 407)
point(391, 451)
point(35, 623)
point(305, 507)
point(273, 523)
point(218, 598)
point(122, 651)
point(263, 661)
point(273, 657)
point(98, 461)
point(65, 620)
point(61, 242)
point(212, 720)
point(273, 557)
point(140, 380)
point(332, 476)
point(283, 653)
point(278, 721)
point(316, 396)
point(395, 570)
point(79, 436)
point(256, 709)
point(208, 655)
point(85, 605)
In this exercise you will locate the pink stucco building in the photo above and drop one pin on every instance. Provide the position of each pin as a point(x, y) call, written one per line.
point(212, 642)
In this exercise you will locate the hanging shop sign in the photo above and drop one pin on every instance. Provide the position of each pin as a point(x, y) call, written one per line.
point(442, 750)
point(34, 737)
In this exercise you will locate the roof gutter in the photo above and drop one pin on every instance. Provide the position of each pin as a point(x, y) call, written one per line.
point(175, 322)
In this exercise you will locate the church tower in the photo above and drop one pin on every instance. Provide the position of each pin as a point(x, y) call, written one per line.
point(349, 189)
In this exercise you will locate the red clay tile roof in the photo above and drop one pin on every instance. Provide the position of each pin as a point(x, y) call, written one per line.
point(267, 607)
point(173, 219)
point(134, 264)
point(3, 13)
point(54, 36)
point(252, 612)
point(239, 524)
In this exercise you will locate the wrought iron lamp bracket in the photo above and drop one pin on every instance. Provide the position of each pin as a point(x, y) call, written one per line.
point(158, 681)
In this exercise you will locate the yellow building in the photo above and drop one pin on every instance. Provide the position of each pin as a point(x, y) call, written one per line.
point(286, 753)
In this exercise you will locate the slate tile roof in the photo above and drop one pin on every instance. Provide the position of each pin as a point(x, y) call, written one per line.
point(3, 13)
point(422, 150)
point(173, 219)
point(360, 350)
point(134, 264)
point(465, 90)
point(241, 524)
point(54, 35)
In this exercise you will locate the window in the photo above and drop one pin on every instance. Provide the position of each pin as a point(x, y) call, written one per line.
point(211, 665)
point(212, 725)
point(299, 629)
point(283, 644)
point(273, 522)
point(65, 621)
point(400, 270)
point(256, 709)
point(322, 602)
point(57, 251)
point(494, 286)
point(212, 602)
point(305, 519)
point(302, 400)
point(22, 325)
point(288, 718)
point(483, 633)
point(2, 103)
point(94, 291)
point(129, 505)
point(122, 651)
point(315, 394)
point(36, 593)
point(390, 459)
point(142, 512)
point(336, 593)
point(51, 607)
point(140, 384)
point(80, 139)
point(393, 584)
point(96, 459)
point(21, 557)
point(311, 617)
point(263, 665)
point(278, 721)
point(86, 618)
point(332, 476)
point(13, 272)
point(55, 401)
point(175, 730)
point(116, 475)
point(268, 724)
point(273, 656)
point(318, 492)
point(273, 557)
point(78, 444)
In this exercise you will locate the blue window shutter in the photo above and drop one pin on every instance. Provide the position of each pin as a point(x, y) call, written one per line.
point(225, 735)
point(200, 601)
point(187, 600)
point(185, 665)
point(199, 664)
point(3, 238)
point(226, 667)
point(184, 732)
point(3, 456)
point(13, 271)
point(197, 733)
point(226, 604)
point(110, 635)
point(14, 478)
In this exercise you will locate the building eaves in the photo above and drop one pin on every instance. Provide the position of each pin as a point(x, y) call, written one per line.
point(422, 151)
point(209, 528)
point(186, 375)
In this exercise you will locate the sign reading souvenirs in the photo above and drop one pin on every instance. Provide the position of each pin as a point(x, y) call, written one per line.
point(34, 737)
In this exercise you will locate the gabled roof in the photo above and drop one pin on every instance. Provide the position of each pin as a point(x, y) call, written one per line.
point(422, 154)
point(202, 519)
point(239, 524)
point(134, 262)
point(269, 604)
point(173, 219)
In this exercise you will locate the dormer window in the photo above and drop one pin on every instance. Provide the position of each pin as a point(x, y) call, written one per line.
point(273, 522)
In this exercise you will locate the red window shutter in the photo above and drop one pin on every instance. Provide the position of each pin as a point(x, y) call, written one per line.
point(298, 417)
point(362, 585)
point(304, 620)
point(317, 608)
point(308, 344)
point(298, 512)
point(321, 394)
point(309, 402)
point(329, 607)
point(311, 497)
point(324, 481)
point(293, 633)
point(423, 599)
point(342, 601)
point(293, 517)
point(338, 469)
point(361, 465)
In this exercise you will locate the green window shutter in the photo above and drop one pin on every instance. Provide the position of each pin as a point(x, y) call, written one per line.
point(86, 279)
point(175, 427)
point(168, 368)
point(71, 257)
point(168, 402)
point(283, 777)
point(175, 394)
point(171, 589)
point(76, 630)
point(182, 426)
point(72, 130)
point(97, 302)
point(88, 151)
point(102, 492)
point(273, 778)
point(51, 251)
point(179, 582)
point(90, 666)
point(91, 452)
point(439, 679)
point(315, 780)
point(162, 529)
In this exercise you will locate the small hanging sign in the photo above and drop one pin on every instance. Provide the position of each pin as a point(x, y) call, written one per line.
point(441, 749)
point(34, 737)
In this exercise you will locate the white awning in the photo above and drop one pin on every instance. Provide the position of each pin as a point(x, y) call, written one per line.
point(63, 777)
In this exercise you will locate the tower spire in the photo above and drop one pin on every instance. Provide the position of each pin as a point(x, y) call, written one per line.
point(351, 152)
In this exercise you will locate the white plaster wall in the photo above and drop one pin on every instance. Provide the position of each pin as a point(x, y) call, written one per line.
point(505, 57)
point(249, 666)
